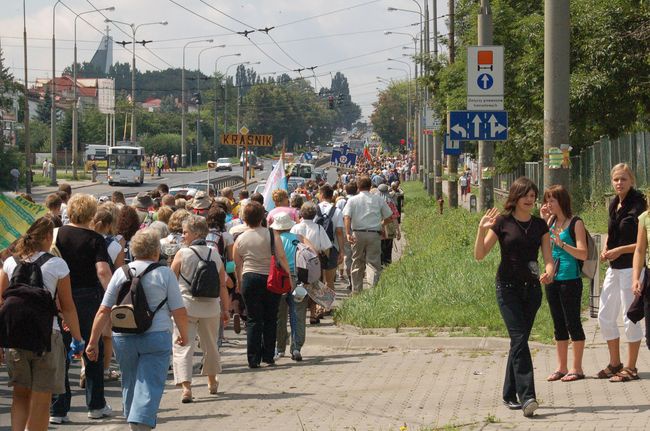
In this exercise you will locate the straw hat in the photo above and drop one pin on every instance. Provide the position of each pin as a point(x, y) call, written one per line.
point(142, 201)
point(201, 201)
point(282, 221)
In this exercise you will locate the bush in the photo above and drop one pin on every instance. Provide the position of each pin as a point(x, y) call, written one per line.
point(10, 157)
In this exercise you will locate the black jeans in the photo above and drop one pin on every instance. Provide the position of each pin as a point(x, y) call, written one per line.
point(261, 325)
point(386, 251)
point(564, 298)
point(87, 302)
point(518, 303)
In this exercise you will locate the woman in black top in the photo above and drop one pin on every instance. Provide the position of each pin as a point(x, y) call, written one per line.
point(518, 289)
point(624, 213)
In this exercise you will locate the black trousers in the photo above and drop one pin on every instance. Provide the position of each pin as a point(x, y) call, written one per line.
point(518, 303)
point(564, 298)
point(262, 323)
point(87, 302)
point(386, 251)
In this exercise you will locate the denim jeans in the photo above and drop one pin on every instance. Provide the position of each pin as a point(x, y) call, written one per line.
point(564, 300)
point(144, 361)
point(87, 302)
point(518, 303)
point(261, 326)
point(297, 312)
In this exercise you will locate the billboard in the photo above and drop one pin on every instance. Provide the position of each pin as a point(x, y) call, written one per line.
point(106, 96)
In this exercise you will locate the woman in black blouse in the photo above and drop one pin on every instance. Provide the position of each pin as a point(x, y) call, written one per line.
point(518, 289)
point(624, 212)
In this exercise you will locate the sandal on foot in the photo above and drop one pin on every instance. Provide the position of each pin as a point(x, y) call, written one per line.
point(625, 375)
point(572, 377)
point(187, 397)
point(609, 371)
point(557, 375)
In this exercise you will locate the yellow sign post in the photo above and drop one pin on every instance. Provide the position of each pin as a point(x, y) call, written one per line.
point(250, 140)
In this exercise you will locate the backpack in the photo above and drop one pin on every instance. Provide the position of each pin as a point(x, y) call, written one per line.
point(308, 269)
point(205, 280)
point(131, 313)
point(28, 309)
point(588, 266)
point(326, 221)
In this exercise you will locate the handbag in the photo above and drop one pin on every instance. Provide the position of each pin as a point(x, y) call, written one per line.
point(635, 313)
point(279, 280)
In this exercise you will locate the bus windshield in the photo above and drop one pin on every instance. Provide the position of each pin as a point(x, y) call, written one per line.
point(125, 161)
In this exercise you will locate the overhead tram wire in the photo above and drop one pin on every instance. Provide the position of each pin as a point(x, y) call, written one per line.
point(327, 13)
point(102, 33)
point(121, 30)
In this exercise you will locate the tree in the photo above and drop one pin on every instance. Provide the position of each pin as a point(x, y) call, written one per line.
point(43, 109)
point(348, 111)
point(389, 117)
point(10, 157)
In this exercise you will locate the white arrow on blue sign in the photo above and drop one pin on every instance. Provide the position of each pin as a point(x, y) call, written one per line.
point(452, 148)
point(478, 125)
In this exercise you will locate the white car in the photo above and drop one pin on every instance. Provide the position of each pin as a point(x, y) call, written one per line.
point(223, 164)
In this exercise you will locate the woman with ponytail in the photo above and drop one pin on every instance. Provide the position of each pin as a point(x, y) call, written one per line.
point(36, 377)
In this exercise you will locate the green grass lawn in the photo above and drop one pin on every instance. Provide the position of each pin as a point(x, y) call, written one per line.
point(437, 284)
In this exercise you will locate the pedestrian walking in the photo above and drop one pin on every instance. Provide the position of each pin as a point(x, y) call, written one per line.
point(15, 175)
point(143, 357)
point(617, 294)
point(390, 230)
point(363, 217)
point(564, 295)
point(518, 291)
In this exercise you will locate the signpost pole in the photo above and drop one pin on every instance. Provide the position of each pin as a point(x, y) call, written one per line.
point(452, 160)
point(485, 148)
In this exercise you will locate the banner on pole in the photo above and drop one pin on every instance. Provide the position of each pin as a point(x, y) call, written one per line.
point(16, 216)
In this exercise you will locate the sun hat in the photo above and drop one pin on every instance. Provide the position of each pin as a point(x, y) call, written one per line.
point(142, 201)
point(383, 188)
point(282, 221)
point(201, 201)
point(299, 293)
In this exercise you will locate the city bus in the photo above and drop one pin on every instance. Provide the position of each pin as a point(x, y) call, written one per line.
point(97, 154)
point(125, 165)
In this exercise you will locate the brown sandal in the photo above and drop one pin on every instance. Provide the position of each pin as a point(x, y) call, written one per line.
point(609, 371)
point(625, 375)
point(557, 375)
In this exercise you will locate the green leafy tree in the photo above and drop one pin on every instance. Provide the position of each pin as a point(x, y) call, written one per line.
point(389, 117)
point(163, 143)
point(43, 109)
point(10, 157)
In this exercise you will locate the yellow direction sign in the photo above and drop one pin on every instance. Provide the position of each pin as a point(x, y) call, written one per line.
point(250, 140)
point(244, 130)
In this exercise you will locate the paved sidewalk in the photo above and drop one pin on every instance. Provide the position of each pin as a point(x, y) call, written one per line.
point(382, 381)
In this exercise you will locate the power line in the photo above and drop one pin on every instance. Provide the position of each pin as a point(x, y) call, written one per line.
point(327, 13)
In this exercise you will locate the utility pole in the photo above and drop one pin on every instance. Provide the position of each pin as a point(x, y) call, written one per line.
point(428, 139)
point(556, 88)
point(28, 149)
point(452, 160)
point(437, 151)
point(485, 148)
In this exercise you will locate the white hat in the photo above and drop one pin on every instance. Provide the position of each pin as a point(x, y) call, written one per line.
point(282, 221)
point(299, 293)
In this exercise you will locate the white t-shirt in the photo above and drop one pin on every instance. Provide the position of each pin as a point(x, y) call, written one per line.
point(53, 270)
point(314, 233)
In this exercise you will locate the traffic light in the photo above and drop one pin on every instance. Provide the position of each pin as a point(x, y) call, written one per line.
point(196, 98)
point(341, 99)
point(330, 102)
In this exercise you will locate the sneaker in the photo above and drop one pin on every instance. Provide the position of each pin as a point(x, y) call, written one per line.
point(529, 407)
point(58, 420)
point(512, 405)
point(278, 355)
point(296, 356)
point(101, 413)
point(236, 323)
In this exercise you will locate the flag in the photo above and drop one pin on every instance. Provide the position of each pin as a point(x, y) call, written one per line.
point(276, 180)
point(16, 216)
point(366, 151)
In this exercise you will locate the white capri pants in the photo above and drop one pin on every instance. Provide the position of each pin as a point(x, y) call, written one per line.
point(207, 329)
point(616, 298)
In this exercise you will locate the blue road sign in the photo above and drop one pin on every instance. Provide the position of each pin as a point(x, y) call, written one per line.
point(478, 125)
point(342, 158)
point(307, 156)
point(452, 148)
point(485, 81)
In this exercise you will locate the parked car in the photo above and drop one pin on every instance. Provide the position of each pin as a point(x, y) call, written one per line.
point(259, 164)
point(223, 164)
point(292, 184)
point(192, 188)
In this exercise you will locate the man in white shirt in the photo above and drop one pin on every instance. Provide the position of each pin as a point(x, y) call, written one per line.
point(364, 215)
point(326, 206)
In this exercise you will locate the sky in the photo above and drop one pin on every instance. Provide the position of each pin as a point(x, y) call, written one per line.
point(334, 35)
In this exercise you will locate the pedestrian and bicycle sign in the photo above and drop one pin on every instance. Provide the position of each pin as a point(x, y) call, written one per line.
point(452, 148)
point(485, 78)
point(478, 125)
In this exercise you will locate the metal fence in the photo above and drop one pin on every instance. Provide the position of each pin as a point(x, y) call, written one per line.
point(590, 170)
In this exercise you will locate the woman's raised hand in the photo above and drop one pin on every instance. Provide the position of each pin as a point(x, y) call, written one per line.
point(545, 212)
point(488, 220)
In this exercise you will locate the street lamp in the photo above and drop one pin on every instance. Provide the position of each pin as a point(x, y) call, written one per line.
point(53, 107)
point(183, 103)
point(216, 125)
point(198, 91)
point(134, 29)
point(75, 103)
point(225, 101)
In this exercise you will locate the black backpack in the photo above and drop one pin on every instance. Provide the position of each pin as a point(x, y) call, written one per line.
point(28, 309)
point(326, 221)
point(131, 314)
point(205, 280)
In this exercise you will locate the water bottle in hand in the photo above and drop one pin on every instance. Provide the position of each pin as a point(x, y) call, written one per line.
point(76, 349)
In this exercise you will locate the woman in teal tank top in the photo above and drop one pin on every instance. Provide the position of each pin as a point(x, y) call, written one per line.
point(569, 241)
